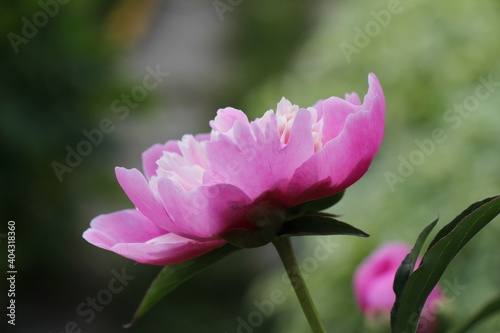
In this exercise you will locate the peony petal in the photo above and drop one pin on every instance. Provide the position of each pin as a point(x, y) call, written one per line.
point(353, 98)
point(386, 259)
point(154, 153)
point(225, 119)
point(202, 137)
point(375, 92)
point(132, 235)
point(335, 112)
point(256, 160)
point(380, 296)
point(342, 160)
point(137, 189)
point(126, 226)
point(234, 161)
point(193, 151)
point(206, 211)
point(300, 146)
point(168, 250)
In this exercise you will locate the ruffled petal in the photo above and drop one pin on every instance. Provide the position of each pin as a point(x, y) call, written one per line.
point(226, 118)
point(255, 160)
point(205, 212)
point(343, 159)
point(126, 226)
point(374, 93)
point(154, 153)
point(130, 234)
point(335, 112)
point(167, 250)
point(202, 137)
point(353, 98)
point(193, 151)
point(137, 189)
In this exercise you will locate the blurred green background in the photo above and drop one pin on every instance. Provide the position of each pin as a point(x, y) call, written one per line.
point(62, 76)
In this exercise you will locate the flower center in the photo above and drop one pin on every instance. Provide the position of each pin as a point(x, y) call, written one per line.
point(285, 116)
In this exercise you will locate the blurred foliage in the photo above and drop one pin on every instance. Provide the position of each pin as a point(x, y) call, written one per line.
point(264, 38)
point(53, 85)
point(51, 89)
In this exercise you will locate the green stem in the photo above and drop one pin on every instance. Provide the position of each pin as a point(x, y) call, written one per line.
point(284, 247)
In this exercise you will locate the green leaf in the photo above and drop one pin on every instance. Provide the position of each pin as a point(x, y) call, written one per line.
point(445, 246)
point(450, 226)
point(319, 225)
point(324, 214)
point(314, 206)
point(325, 203)
point(172, 276)
point(407, 267)
point(490, 308)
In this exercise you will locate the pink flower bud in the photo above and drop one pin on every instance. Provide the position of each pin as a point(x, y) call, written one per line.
point(373, 281)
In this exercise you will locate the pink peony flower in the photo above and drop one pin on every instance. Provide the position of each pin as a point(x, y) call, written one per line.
point(373, 281)
point(239, 179)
